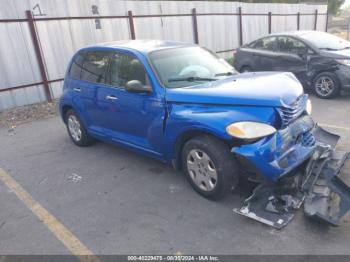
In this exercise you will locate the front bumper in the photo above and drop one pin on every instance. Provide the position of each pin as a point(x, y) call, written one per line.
point(322, 186)
point(277, 155)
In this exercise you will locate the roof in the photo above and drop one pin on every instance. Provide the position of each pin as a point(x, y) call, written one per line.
point(295, 33)
point(143, 46)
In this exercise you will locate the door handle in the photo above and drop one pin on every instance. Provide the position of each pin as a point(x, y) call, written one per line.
point(77, 89)
point(110, 97)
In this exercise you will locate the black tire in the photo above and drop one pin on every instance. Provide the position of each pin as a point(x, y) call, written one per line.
point(246, 69)
point(326, 92)
point(223, 163)
point(84, 139)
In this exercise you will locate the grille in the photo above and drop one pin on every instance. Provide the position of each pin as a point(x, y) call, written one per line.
point(308, 140)
point(291, 112)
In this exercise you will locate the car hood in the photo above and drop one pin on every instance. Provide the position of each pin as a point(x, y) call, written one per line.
point(340, 54)
point(272, 89)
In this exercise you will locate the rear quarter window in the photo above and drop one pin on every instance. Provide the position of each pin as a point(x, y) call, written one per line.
point(75, 69)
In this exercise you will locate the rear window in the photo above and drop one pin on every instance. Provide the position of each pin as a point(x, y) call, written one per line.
point(94, 67)
point(75, 70)
point(267, 43)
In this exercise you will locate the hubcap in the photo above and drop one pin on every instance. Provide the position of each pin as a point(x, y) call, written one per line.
point(74, 128)
point(202, 170)
point(324, 86)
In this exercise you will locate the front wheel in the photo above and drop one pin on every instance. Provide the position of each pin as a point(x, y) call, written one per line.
point(209, 167)
point(326, 85)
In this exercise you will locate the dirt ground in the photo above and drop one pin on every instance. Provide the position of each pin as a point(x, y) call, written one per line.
point(11, 118)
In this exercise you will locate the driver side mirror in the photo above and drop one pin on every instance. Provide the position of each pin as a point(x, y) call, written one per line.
point(302, 54)
point(135, 86)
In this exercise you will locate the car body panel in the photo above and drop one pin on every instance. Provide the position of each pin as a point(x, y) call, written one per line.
point(279, 154)
point(153, 123)
point(244, 89)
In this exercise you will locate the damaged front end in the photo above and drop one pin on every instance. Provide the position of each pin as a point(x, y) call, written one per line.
point(320, 183)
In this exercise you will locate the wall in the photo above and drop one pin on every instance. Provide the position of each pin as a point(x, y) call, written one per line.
point(60, 39)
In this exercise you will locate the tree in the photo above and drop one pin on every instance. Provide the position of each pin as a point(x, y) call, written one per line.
point(334, 6)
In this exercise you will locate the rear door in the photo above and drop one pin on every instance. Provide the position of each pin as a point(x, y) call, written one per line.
point(263, 53)
point(93, 77)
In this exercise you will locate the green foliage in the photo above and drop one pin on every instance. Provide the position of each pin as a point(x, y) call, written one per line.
point(230, 60)
point(334, 6)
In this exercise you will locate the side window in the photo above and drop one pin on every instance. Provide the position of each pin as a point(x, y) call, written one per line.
point(75, 69)
point(291, 45)
point(267, 43)
point(94, 67)
point(124, 68)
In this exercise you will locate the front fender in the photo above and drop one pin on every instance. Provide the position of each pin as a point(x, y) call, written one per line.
point(210, 119)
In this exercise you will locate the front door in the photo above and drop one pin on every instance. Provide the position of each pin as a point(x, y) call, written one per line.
point(134, 119)
point(292, 56)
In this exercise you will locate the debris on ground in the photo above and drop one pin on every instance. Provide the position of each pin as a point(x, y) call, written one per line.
point(74, 178)
point(322, 186)
point(174, 188)
point(12, 130)
point(11, 118)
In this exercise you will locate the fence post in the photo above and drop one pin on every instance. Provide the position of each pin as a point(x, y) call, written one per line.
point(327, 18)
point(240, 26)
point(131, 25)
point(298, 21)
point(270, 22)
point(39, 55)
point(316, 14)
point(195, 26)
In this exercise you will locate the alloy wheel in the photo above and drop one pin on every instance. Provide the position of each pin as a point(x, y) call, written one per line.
point(324, 86)
point(202, 170)
point(74, 128)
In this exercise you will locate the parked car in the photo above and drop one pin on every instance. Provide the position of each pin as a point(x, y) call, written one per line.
point(180, 104)
point(319, 60)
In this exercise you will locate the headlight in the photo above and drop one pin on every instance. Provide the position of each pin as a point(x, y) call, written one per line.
point(309, 107)
point(250, 130)
point(344, 61)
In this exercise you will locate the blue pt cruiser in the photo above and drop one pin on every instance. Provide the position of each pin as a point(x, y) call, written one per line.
point(179, 103)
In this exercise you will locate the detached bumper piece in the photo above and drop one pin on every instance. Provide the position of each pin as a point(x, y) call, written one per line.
point(321, 184)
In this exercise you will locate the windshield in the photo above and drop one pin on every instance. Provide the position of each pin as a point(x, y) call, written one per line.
point(326, 41)
point(188, 66)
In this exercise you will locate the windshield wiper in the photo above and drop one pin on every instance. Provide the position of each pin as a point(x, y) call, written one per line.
point(225, 74)
point(191, 79)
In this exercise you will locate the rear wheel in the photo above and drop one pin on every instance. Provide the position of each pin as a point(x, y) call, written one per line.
point(209, 167)
point(326, 85)
point(76, 130)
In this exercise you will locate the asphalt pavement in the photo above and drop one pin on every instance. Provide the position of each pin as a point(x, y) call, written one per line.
point(117, 202)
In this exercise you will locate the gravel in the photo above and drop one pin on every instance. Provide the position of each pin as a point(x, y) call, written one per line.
point(11, 118)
